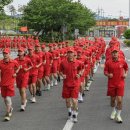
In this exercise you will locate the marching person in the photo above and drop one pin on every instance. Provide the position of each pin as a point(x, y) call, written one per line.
point(54, 68)
point(116, 70)
point(23, 75)
point(9, 69)
point(41, 55)
point(70, 70)
point(47, 68)
point(33, 74)
point(81, 57)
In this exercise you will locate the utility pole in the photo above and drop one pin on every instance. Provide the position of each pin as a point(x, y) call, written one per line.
point(120, 13)
point(101, 21)
point(104, 23)
point(98, 13)
point(129, 13)
point(96, 30)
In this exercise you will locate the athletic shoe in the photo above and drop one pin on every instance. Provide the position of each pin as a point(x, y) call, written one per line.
point(33, 100)
point(75, 119)
point(87, 88)
point(80, 99)
point(22, 108)
point(11, 111)
point(69, 115)
point(61, 78)
point(37, 92)
point(91, 79)
point(52, 84)
point(95, 69)
point(58, 79)
point(119, 119)
point(83, 94)
point(48, 88)
point(77, 112)
point(55, 83)
point(44, 89)
point(7, 117)
point(113, 115)
point(40, 93)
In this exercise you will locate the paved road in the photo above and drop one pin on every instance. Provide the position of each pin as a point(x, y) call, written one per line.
point(49, 113)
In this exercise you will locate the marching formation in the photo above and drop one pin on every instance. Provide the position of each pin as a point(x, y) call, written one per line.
point(16, 42)
point(39, 65)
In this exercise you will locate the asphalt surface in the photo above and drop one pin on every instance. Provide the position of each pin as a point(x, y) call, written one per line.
point(49, 113)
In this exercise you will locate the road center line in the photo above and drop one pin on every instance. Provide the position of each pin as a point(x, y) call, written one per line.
point(68, 126)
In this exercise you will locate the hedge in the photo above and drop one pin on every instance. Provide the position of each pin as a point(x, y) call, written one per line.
point(26, 35)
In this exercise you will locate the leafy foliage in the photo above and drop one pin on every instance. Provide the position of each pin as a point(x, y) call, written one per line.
point(52, 15)
point(127, 42)
point(127, 34)
point(3, 3)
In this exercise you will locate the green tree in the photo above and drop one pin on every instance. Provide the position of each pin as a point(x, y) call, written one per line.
point(21, 8)
point(3, 3)
point(52, 15)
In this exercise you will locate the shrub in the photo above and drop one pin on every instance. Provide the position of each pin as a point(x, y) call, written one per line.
point(127, 42)
point(127, 34)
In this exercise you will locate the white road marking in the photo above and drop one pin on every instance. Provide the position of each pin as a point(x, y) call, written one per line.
point(68, 126)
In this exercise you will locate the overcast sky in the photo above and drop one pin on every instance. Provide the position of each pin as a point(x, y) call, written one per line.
point(110, 7)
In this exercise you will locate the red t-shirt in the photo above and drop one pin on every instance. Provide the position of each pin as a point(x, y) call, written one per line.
point(25, 63)
point(70, 69)
point(48, 56)
point(117, 69)
point(41, 57)
point(35, 61)
point(7, 70)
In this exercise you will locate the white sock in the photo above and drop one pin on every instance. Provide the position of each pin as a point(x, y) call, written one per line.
point(52, 83)
point(49, 85)
point(118, 112)
point(113, 109)
point(69, 109)
point(74, 112)
point(81, 96)
point(56, 81)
